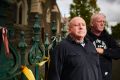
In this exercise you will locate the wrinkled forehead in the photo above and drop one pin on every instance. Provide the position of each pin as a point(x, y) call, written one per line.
point(98, 16)
point(77, 20)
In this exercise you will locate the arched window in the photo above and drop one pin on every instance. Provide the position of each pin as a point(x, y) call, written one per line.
point(22, 9)
point(20, 15)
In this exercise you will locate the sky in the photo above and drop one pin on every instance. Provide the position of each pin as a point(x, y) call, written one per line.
point(109, 7)
point(64, 6)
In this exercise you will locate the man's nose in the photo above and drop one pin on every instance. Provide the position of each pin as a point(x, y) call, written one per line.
point(80, 26)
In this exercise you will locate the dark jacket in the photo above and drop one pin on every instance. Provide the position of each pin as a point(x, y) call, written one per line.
point(72, 61)
point(0, 39)
point(111, 51)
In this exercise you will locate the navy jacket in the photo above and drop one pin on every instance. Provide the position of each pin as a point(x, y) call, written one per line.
point(72, 61)
point(111, 51)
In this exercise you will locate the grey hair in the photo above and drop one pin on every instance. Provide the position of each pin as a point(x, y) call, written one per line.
point(94, 16)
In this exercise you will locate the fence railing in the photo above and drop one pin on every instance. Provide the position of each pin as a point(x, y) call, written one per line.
point(25, 64)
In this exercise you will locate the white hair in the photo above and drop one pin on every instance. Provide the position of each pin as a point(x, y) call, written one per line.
point(94, 16)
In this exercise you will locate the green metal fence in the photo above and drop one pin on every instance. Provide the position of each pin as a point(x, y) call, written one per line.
point(21, 62)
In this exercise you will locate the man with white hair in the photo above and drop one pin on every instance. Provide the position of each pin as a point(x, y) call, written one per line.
point(106, 46)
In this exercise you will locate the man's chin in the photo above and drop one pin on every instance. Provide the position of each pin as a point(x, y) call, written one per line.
point(80, 36)
point(100, 30)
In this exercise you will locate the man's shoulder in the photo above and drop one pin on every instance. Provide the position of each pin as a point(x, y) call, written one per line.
point(64, 42)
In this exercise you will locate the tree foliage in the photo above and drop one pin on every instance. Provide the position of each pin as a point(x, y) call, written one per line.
point(83, 8)
point(116, 31)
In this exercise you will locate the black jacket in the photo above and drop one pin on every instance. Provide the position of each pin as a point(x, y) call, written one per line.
point(0, 39)
point(111, 51)
point(72, 61)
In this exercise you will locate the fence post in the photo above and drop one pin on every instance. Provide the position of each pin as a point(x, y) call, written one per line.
point(22, 45)
point(36, 53)
point(46, 43)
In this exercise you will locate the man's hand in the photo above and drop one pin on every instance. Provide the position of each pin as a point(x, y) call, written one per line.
point(100, 50)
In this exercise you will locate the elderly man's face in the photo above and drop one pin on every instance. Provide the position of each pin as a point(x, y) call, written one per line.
point(99, 24)
point(78, 28)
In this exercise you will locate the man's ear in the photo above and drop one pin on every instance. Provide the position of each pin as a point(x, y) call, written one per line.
point(91, 24)
point(68, 30)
